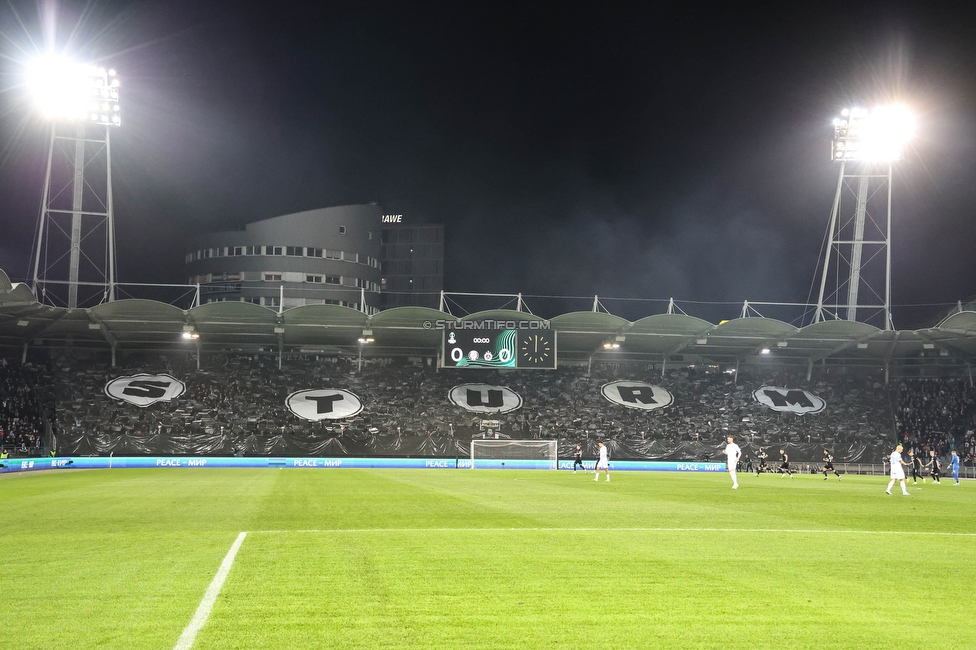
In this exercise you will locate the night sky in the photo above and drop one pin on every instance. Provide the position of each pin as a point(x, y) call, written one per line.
point(568, 148)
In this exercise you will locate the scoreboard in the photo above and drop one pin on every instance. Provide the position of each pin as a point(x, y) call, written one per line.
point(499, 348)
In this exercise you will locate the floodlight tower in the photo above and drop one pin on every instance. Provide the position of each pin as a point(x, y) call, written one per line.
point(866, 143)
point(76, 221)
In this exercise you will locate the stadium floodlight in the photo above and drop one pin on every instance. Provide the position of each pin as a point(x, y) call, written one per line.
point(877, 135)
point(79, 100)
point(867, 144)
point(63, 89)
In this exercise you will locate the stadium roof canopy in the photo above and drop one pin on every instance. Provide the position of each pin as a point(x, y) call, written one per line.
point(133, 325)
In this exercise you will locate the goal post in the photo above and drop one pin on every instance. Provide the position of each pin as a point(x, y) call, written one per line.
point(514, 454)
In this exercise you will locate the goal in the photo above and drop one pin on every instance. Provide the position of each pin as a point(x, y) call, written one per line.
point(514, 454)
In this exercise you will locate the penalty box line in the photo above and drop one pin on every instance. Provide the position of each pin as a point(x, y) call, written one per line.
point(189, 635)
point(788, 531)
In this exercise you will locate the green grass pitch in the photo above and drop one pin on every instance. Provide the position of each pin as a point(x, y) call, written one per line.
point(483, 559)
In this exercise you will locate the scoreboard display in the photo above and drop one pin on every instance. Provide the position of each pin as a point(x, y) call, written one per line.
point(499, 348)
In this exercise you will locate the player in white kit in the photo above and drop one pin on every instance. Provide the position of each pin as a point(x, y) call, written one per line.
point(602, 463)
point(897, 471)
point(732, 454)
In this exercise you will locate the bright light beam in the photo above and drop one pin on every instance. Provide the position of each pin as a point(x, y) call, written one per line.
point(878, 135)
point(63, 89)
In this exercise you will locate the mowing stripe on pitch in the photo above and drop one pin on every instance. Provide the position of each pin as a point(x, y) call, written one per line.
point(791, 531)
point(189, 635)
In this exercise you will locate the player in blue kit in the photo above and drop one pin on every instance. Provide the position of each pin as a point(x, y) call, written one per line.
point(955, 466)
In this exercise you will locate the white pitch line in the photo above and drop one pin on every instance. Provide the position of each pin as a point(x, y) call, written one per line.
point(804, 531)
point(185, 642)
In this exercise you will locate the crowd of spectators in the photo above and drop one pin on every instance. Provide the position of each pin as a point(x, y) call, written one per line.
point(21, 419)
point(937, 415)
point(238, 403)
point(968, 451)
point(711, 405)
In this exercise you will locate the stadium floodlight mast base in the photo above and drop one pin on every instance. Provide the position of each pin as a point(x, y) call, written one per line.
point(82, 103)
point(866, 143)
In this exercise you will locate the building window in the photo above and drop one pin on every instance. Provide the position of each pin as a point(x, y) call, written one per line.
point(342, 230)
point(272, 301)
point(238, 250)
point(350, 257)
point(317, 279)
point(315, 252)
point(249, 250)
point(333, 255)
point(252, 299)
point(294, 251)
point(273, 250)
point(272, 277)
point(329, 301)
point(333, 279)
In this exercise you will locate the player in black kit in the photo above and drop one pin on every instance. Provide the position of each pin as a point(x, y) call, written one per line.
point(828, 465)
point(578, 459)
point(936, 466)
point(916, 464)
point(784, 463)
point(762, 467)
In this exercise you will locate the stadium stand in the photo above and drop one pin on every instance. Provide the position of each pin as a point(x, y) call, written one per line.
point(936, 414)
point(969, 448)
point(22, 429)
point(229, 355)
point(237, 406)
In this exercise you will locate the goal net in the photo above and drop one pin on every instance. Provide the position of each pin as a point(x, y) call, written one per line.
point(514, 454)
